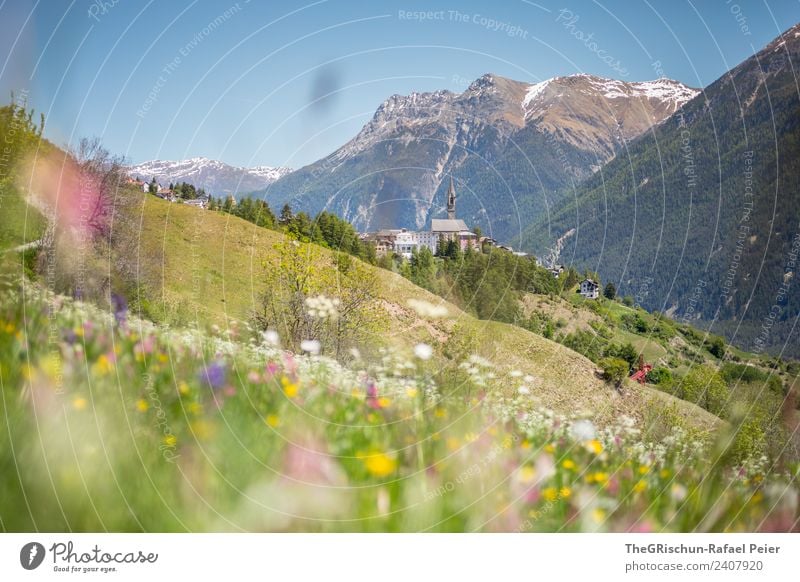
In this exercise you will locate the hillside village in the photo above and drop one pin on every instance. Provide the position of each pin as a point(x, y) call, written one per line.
point(444, 236)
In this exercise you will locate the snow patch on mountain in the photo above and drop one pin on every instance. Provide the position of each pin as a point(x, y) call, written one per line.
point(664, 90)
point(215, 177)
point(534, 91)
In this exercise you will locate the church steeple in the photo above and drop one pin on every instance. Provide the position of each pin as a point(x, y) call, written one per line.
point(451, 201)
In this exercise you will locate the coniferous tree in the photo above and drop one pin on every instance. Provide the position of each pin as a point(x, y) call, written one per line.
point(286, 215)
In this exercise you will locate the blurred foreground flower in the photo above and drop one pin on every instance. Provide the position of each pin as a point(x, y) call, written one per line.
point(423, 351)
point(214, 375)
point(311, 346)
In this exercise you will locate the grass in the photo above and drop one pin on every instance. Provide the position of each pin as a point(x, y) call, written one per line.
point(22, 224)
point(115, 424)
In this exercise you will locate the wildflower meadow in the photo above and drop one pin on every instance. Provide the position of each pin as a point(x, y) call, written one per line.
point(111, 423)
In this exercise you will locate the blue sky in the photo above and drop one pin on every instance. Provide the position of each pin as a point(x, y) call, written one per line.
point(285, 83)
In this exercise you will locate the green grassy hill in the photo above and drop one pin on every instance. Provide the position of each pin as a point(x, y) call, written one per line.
point(209, 268)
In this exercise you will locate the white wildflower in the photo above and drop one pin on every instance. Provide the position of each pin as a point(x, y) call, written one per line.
point(310, 346)
point(423, 351)
point(322, 307)
point(271, 338)
point(582, 430)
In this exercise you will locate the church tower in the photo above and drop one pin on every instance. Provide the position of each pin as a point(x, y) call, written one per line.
point(451, 201)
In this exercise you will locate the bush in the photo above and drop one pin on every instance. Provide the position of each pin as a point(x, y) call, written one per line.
point(624, 352)
point(716, 346)
point(614, 370)
point(736, 373)
point(659, 376)
point(706, 388)
point(635, 322)
point(610, 292)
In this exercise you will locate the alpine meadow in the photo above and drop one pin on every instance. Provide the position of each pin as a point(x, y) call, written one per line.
point(371, 269)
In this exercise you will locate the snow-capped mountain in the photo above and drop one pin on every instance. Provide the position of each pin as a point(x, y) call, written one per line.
point(708, 199)
point(217, 178)
point(598, 114)
point(510, 145)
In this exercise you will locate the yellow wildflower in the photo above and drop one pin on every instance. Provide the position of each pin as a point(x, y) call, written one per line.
point(527, 474)
point(439, 412)
point(640, 486)
point(565, 492)
point(644, 469)
point(163, 358)
point(290, 389)
point(598, 477)
point(595, 446)
point(550, 494)
point(183, 388)
point(598, 514)
point(202, 429)
point(51, 366)
point(664, 473)
point(383, 402)
point(142, 405)
point(549, 448)
point(79, 403)
point(568, 464)
point(379, 464)
point(411, 392)
point(272, 420)
point(525, 444)
point(453, 443)
point(9, 328)
point(195, 408)
point(170, 440)
point(507, 442)
point(103, 365)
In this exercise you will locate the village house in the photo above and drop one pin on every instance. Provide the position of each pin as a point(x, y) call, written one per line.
point(197, 202)
point(556, 271)
point(590, 289)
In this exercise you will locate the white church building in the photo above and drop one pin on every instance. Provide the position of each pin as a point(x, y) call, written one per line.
point(405, 242)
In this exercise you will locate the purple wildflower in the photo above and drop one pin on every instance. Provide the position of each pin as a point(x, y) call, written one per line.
point(120, 308)
point(372, 395)
point(214, 375)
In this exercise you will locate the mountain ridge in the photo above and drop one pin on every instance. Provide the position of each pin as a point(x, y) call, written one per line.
point(700, 218)
point(216, 177)
point(393, 171)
